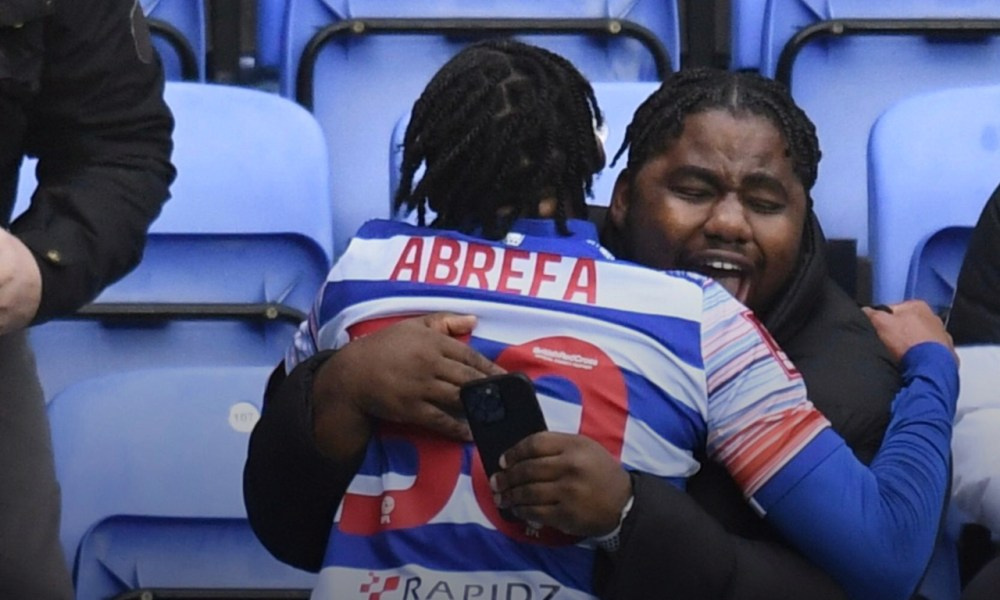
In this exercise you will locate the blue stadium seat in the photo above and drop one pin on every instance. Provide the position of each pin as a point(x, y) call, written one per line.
point(247, 160)
point(935, 265)
point(746, 29)
point(150, 464)
point(933, 161)
point(618, 101)
point(848, 60)
point(178, 28)
point(270, 25)
point(233, 262)
point(364, 66)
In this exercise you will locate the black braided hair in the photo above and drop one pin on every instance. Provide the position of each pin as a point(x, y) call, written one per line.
point(500, 127)
point(659, 120)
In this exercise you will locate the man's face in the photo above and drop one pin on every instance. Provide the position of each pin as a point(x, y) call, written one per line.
point(722, 200)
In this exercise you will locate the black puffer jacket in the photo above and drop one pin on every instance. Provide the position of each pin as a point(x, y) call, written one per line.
point(975, 312)
point(707, 543)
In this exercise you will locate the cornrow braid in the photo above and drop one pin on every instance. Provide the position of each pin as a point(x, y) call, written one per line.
point(502, 126)
point(659, 120)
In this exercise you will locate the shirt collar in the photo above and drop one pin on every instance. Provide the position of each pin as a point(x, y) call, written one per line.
point(580, 229)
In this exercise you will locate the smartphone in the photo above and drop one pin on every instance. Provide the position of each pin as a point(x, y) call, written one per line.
point(502, 410)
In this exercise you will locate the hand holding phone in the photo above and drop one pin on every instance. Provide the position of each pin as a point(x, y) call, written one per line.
point(502, 410)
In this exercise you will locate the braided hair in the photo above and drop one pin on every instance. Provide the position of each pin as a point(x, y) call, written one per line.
point(659, 120)
point(502, 126)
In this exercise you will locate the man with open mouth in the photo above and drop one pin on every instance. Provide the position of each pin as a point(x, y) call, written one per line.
point(720, 166)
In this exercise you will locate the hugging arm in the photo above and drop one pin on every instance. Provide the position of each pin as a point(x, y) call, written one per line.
point(318, 418)
point(872, 528)
point(102, 134)
point(290, 489)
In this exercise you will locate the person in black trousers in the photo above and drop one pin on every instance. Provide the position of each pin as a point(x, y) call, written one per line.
point(81, 89)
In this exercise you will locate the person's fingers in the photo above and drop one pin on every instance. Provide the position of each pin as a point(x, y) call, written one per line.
point(549, 513)
point(463, 353)
point(468, 356)
point(536, 445)
point(914, 304)
point(875, 315)
point(443, 395)
point(531, 471)
point(532, 494)
point(450, 324)
point(461, 367)
point(434, 419)
point(880, 307)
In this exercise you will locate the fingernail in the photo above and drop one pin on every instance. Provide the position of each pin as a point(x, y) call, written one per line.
point(493, 484)
point(503, 461)
point(498, 500)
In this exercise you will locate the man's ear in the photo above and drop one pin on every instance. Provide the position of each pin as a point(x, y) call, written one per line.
point(618, 209)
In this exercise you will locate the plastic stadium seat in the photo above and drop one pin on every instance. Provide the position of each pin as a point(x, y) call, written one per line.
point(270, 23)
point(194, 300)
point(178, 29)
point(848, 60)
point(233, 262)
point(618, 101)
point(935, 266)
point(150, 464)
point(247, 161)
point(360, 66)
point(933, 161)
point(746, 30)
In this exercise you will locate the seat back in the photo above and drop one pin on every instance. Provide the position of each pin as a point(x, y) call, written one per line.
point(246, 160)
point(178, 29)
point(618, 101)
point(745, 33)
point(933, 161)
point(849, 60)
point(270, 29)
point(233, 262)
point(150, 463)
point(935, 265)
point(363, 63)
point(195, 299)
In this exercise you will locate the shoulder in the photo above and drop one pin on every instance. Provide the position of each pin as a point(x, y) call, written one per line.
point(385, 228)
point(851, 378)
point(838, 344)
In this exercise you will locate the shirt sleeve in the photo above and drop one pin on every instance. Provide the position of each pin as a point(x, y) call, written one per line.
point(303, 345)
point(758, 413)
point(102, 135)
point(291, 491)
point(872, 529)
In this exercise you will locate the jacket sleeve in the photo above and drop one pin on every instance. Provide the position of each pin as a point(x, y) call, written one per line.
point(290, 490)
point(670, 543)
point(102, 135)
point(975, 312)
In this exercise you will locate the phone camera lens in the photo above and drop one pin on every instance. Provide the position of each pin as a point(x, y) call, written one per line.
point(487, 405)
